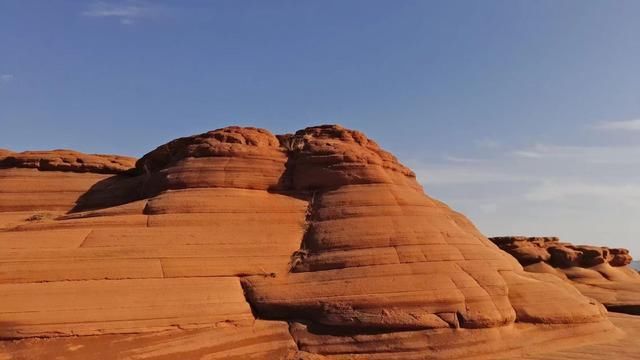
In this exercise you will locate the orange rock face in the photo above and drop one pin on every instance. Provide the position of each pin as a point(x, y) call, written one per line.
point(233, 157)
point(321, 235)
point(598, 272)
point(66, 160)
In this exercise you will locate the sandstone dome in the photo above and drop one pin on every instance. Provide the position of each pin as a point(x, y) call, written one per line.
point(237, 244)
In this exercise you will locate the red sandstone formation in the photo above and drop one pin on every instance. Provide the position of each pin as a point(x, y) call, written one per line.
point(598, 272)
point(53, 180)
point(237, 244)
point(66, 160)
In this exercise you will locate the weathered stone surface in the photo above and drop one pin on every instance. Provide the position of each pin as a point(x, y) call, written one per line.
point(626, 346)
point(56, 180)
point(598, 272)
point(328, 156)
point(66, 160)
point(262, 340)
point(321, 229)
point(232, 157)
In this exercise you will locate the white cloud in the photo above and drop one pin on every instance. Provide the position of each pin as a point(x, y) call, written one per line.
point(584, 154)
point(459, 174)
point(561, 190)
point(527, 154)
point(585, 194)
point(633, 125)
point(457, 159)
point(127, 12)
point(6, 78)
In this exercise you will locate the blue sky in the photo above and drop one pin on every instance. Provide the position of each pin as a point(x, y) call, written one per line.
point(524, 115)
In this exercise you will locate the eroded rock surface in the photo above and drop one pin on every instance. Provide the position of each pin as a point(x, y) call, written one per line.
point(598, 272)
point(66, 160)
point(320, 232)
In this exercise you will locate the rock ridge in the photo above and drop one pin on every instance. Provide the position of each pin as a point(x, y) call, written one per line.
point(530, 250)
point(598, 272)
point(66, 160)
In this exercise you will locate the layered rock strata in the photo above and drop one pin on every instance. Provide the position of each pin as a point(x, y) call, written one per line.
point(598, 272)
point(53, 180)
point(66, 160)
point(320, 232)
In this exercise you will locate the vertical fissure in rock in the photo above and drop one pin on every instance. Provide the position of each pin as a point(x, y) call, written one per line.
point(245, 292)
point(298, 257)
point(461, 320)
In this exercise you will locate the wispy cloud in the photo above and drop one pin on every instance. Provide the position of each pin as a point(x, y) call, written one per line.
point(6, 78)
point(466, 174)
point(127, 12)
point(561, 190)
point(583, 154)
point(527, 154)
point(458, 159)
point(585, 194)
point(633, 125)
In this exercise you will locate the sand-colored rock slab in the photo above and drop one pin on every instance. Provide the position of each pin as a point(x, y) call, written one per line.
point(122, 306)
point(267, 340)
point(626, 346)
point(13, 219)
point(496, 342)
point(33, 190)
point(123, 221)
point(64, 269)
point(263, 340)
point(47, 239)
point(598, 272)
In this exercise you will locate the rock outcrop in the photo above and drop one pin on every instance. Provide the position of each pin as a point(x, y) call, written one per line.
point(598, 272)
point(320, 233)
point(66, 160)
point(53, 180)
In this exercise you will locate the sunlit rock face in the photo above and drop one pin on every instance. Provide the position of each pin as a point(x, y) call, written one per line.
point(598, 272)
point(321, 235)
point(53, 180)
point(233, 157)
point(66, 160)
